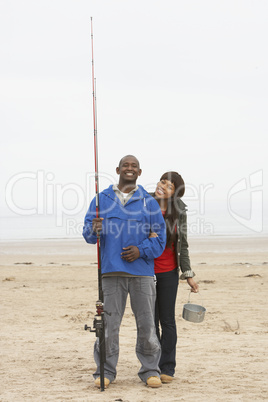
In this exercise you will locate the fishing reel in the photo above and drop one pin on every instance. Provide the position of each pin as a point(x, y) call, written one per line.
point(97, 326)
point(98, 323)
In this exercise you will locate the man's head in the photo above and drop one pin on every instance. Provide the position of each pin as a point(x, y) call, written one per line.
point(128, 156)
point(129, 171)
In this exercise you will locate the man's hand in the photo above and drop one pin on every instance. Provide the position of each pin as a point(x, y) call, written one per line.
point(97, 225)
point(153, 234)
point(131, 253)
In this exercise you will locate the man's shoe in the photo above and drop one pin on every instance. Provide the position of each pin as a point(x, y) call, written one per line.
point(154, 382)
point(166, 378)
point(98, 382)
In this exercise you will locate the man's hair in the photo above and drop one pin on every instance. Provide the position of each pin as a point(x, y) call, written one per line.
point(126, 156)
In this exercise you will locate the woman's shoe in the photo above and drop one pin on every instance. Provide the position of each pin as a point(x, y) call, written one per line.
point(166, 378)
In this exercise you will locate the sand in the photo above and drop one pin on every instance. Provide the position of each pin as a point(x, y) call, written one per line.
point(48, 292)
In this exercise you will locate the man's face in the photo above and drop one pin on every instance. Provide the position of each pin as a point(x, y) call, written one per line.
point(129, 169)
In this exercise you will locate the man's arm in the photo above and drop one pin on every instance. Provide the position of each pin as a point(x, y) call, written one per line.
point(89, 228)
point(153, 247)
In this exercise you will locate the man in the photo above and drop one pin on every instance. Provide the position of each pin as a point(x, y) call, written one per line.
point(128, 214)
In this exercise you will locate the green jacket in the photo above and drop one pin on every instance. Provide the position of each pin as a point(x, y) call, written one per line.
point(182, 251)
point(181, 246)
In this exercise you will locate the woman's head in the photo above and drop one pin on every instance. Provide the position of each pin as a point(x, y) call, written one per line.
point(170, 187)
point(171, 184)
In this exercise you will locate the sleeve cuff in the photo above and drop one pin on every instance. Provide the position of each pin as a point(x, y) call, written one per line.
point(142, 254)
point(187, 274)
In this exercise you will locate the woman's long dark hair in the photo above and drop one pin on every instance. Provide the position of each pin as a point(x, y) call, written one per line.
point(171, 215)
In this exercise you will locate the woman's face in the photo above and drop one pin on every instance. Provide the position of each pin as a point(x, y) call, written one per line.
point(164, 189)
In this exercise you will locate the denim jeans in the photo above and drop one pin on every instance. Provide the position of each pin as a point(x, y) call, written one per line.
point(166, 293)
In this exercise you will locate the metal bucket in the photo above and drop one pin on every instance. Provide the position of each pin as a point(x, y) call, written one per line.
point(193, 312)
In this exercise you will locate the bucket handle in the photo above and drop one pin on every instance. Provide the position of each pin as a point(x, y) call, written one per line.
point(189, 301)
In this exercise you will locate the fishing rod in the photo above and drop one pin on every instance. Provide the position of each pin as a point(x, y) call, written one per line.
point(98, 323)
point(96, 162)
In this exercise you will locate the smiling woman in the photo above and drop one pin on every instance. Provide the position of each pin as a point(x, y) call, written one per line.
point(168, 194)
point(165, 189)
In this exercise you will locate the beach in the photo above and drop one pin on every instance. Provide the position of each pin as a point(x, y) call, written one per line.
point(48, 293)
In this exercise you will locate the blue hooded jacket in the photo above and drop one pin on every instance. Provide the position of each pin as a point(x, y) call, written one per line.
point(127, 225)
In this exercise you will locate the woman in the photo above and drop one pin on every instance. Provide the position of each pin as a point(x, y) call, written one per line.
point(168, 193)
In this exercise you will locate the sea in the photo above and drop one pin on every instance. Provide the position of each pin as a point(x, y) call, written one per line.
point(18, 227)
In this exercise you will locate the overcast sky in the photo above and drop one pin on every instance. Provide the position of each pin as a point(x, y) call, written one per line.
point(181, 84)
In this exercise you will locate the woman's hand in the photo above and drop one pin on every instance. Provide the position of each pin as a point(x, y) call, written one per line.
point(193, 285)
point(153, 234)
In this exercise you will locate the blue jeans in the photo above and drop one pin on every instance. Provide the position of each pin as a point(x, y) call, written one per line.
point(166, 293)
point(142, 298)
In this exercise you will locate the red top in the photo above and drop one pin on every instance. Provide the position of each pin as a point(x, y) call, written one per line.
point(166, 261)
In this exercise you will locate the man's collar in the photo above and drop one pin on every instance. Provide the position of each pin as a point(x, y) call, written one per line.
point(115, 188)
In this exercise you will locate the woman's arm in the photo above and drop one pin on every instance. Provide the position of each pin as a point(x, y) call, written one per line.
point(185, 264)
